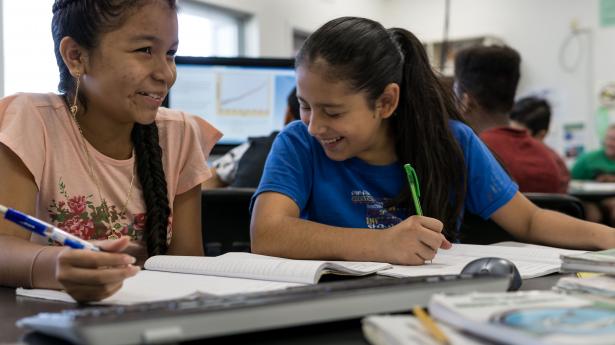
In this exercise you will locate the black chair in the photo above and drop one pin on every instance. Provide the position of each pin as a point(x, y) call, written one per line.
point(476, 230)
point(225, 220)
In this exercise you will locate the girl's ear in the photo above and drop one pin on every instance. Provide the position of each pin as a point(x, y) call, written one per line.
point(73, 55)
point(388, 101)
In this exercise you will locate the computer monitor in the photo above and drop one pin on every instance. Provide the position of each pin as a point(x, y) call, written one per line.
point(242, 97)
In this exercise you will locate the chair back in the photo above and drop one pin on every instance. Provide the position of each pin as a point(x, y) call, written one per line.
point(225, 220)
point(476, 230)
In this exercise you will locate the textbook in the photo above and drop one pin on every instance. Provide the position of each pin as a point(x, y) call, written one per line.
point(527, 317)
point(254, 266)
point(600, 261)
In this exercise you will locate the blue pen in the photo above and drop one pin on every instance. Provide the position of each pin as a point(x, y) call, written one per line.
point(39, 227)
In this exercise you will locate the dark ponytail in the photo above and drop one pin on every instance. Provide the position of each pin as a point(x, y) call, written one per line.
point(423, 136)
point(85, 21)
point(369, 57)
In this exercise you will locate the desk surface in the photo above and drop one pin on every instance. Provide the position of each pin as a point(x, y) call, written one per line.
point(591, 190)
point(13, 308)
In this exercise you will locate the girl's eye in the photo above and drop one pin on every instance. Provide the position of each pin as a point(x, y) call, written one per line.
point(171, 53)
point(146, 50)
point(332, 114)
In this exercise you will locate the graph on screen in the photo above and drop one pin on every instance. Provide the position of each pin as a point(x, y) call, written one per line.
point(241, 97)
point(244, 94)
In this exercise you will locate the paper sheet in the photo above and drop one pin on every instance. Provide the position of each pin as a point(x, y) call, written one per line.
point(152, 286)
point(531, 260)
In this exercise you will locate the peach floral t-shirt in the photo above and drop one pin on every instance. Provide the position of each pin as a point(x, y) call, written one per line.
point(39, 129)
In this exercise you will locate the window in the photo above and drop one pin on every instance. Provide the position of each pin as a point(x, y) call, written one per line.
point(205, 30)
point(299, 37)
point(29, 62)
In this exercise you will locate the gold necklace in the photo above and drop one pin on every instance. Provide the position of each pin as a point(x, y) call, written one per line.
point(73, 111)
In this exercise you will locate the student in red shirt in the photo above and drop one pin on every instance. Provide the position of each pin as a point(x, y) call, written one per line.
point(534, 114)
point(485, 83)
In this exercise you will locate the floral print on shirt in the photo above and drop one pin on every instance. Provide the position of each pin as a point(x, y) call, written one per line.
point(80, 216)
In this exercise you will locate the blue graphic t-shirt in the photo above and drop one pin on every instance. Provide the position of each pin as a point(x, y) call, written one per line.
point(353, 194)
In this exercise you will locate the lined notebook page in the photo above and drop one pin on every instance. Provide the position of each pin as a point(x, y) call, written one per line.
point(265, 269)
point(531, 260)
point(356, 268)
point(511, 251)
point(253, 266)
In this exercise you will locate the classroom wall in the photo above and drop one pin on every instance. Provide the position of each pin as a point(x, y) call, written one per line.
point(538, 30)
point(269, 32)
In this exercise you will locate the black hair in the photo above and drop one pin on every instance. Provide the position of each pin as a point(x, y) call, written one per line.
point(490, 74)
point(86, 21)
point(533, 112)
point(369, 57)
point(293, 104)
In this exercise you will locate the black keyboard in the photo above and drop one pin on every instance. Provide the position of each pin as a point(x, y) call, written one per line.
point(202, 316)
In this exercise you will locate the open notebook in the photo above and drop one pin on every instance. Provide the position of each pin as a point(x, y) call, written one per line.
point(254, 266)
point(168, 277)
point(531, 260)
point(244, 272)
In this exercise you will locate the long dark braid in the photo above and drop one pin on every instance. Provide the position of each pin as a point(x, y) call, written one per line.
point(154, 185)
point(85, 21)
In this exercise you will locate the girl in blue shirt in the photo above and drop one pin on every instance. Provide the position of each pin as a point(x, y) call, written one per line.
point(334, 186)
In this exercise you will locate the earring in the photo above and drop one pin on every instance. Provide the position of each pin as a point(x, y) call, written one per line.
point(74, 108)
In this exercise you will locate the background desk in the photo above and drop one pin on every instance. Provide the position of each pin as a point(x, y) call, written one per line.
point(591, 191)
point(12, 308)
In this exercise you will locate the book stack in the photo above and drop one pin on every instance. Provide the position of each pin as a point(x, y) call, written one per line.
point(602, 285)
point(513, 318)
point(601, 261)
point(527, 317)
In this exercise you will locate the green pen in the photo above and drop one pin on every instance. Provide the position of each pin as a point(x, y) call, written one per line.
point(413, 181)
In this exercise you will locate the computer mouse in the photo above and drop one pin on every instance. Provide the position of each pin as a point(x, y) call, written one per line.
point(495, 266)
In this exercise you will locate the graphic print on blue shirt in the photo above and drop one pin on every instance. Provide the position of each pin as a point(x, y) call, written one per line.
point(298, 168)
point(377, 216)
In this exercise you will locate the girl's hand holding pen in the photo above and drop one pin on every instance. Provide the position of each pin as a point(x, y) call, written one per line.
point(414, 240)
point(89, 275)
point(88, 271)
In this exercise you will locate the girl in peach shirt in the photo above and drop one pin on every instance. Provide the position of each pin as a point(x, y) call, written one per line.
point(102, 160)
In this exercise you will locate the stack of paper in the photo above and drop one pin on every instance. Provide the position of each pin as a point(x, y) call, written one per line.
point(601, 261)
point(600, 285)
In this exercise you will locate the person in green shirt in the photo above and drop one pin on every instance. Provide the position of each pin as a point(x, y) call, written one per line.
point(599, 166)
